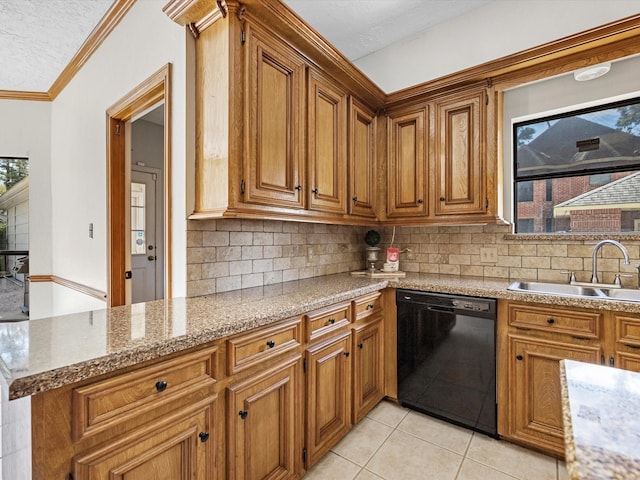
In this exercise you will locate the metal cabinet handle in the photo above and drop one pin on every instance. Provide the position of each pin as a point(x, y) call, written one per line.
point(161, 386)
point(355, 199)
point(204, 436)
point(442, 199)
point(370, 306)
point(420, 200)
point(346, 354)
point(271, 343)
point(360, 345)
point(519, 357)
point(315, 191)
point(332, 321)
point(298, 187)
point(550, 320)
point(243, 414)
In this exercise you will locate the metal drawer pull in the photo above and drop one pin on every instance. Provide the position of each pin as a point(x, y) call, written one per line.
point(271, 343)
point(370, 306)
point(243, 414)
point(550, 320)
point(519, 357)
point(204, 436)
point(161, 386)
point(332, 321)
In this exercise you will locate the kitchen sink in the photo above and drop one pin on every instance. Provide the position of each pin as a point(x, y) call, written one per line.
point(557, 289)
point(566, 289)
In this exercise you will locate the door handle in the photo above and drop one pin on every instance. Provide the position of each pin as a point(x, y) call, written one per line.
point(151, 258)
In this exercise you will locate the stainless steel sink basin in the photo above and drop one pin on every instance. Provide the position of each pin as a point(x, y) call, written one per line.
point(563, 289)
point(622, 294)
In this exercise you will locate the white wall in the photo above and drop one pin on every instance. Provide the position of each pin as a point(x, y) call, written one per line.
point(143, 42)
point(494, 30)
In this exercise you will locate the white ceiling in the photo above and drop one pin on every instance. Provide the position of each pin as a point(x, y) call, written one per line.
point(38, 38)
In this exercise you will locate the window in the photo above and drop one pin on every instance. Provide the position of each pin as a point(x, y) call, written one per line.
point(138, 192)
point(587, 163)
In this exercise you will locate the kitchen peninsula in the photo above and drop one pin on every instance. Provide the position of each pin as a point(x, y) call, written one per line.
point(206, 347)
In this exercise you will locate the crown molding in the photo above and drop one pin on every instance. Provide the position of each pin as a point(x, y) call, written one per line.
point(19, 95)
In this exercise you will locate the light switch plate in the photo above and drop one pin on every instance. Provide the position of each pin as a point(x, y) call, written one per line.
point(489, 254)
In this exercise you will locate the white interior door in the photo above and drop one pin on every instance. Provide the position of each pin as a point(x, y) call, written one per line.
point(146, 275)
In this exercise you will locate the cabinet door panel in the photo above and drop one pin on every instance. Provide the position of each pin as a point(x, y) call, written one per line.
point(264, 439)
point(274, 138)
point(362, 161)
point(534, 374)
point(406, 189)
point(459, 159)
point(327, 151)
point(170, 450)
point(368, 368)
point(328, 395)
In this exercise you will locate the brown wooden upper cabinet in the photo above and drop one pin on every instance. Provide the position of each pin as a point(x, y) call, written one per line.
point(274, 123)
point(362, 160)
point(406, 159)
point(459, 162)
point(327, 145)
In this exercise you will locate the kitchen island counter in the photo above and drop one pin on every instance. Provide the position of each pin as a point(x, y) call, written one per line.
point(601, 413)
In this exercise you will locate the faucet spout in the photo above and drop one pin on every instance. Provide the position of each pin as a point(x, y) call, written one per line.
point(596, 248)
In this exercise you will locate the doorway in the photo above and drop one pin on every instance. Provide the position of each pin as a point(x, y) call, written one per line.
point(139, 182)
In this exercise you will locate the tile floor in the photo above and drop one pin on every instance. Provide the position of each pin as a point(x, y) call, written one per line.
point(393, 443)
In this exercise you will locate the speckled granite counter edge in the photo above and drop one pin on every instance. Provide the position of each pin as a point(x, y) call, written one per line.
point(58, 377)
point(569, 441)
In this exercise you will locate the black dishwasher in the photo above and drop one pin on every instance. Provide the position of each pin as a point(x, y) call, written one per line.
point(447, 357)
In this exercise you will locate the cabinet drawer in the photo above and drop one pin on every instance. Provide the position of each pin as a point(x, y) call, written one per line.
point(628, 331)
point(367, 305)
point(327, 320)
point(579, 324)
point(256, 346)
point(112, 402)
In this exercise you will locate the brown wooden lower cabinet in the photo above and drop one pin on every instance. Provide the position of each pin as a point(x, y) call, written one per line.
point(534, 376)
point(178, 448)
point(264, 430)
point(368, 367)
point(328, 395)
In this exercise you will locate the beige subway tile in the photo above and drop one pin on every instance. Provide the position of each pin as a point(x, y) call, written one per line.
point(472, 270)
point(483, 238)
point(566, 263)
point(228, 253)
point(215, 239)
point(426, 248)
point(470, 249)
point(264, 265)
point(449, 248)
point(522, 250)
point(252, 280)
point(194, 272)
point(410, 267)
point(420, 238)
point(607, 264)
point(271, 278)
point(252, 226)
point(437, 258)
point(545, 275)
point(496, 272)
point(452, 229)
point(240, 267)
point(273, 226)
point(282, 239)
point(290, 227)
point(199, 225)
point(290, 275)
point(306, 272)
point(299, 239)
point(429, 268)
point(552, 250)
point(272, 251)
point(450, 269)
point(462, 238)
point(305, 228)
point(251, 253)
point(194, 238)
point(536, 262)
point(298, 262)
point(439, 238)
point(579, 251)
point(198, 288)
point(202, 255)
point(523, 273)
point(459, 259)
point(263, 238)
point(474, 229)
point(282, 263)
point(240, 238)
point(228, 225)
point(506, 261)
point(215, 270)
point(225, 284)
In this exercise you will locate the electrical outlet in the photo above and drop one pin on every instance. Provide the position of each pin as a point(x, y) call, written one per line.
point(489, 255)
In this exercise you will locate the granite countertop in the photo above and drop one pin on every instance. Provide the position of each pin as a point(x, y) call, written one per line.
point(601, 413)
point(43, 354)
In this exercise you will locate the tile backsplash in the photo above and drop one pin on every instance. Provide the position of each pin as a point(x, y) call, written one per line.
point(230, 254)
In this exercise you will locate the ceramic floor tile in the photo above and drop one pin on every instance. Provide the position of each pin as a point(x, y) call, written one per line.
point(363, 441)
point(367, 475)
point(436, 431)
point(476, 471)
point(388, 413)
point(508, 458)
point(333, 467)
point(403, 456)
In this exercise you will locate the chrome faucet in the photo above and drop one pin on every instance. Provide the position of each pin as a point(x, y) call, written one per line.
point(596, 248)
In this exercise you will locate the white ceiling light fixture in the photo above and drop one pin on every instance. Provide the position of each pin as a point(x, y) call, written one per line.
point(594, 71)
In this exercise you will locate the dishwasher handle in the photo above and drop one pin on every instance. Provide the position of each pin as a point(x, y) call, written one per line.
point(440, 309)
